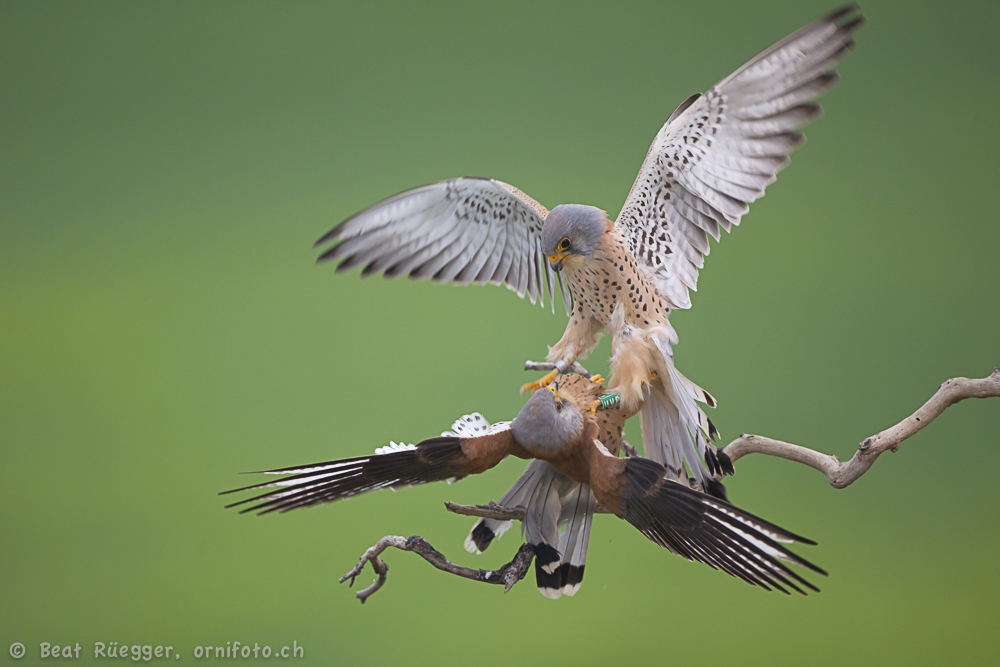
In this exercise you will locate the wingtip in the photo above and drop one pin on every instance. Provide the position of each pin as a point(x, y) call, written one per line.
point(245, 488)
point(333, 233)
point(242, 511)
point(346, 265)
point(841, 12)
point(327, 255)
point(853, 24)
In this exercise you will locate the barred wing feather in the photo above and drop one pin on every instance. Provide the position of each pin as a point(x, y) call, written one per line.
point(464, 230)
point(719, 151)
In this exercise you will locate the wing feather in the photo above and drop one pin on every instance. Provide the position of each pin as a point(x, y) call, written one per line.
point(472, 446)
point(464, 230)
point(707, 529)
point(719, 151)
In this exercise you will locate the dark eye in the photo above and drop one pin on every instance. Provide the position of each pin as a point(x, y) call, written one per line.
point(558, 407)
point(564, 244)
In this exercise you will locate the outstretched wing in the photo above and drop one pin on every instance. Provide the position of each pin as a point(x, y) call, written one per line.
point(473, 446)
point(707, 529)
point(465, 230)
point(718, 151)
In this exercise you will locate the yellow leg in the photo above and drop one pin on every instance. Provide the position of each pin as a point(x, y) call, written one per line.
point(593, 407)
point(543, 382)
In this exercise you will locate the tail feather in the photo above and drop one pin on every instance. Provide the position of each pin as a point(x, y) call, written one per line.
point(690, 389)
point(560, 571)
point(577, 515)
point(486, 530)
point(667, 437)
point(560, 539)
point(676, 431)
point(541, 519)
point(704, 528)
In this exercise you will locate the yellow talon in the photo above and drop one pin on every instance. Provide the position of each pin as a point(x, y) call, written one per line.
point(545, 381)
point(597, 378)
point(592, 408)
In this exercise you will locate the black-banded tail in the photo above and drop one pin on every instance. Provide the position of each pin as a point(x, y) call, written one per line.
point(552, 502)
point(703, 528)
point(577, 515)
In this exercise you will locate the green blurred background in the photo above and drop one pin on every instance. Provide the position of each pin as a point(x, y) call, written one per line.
point(165, 168)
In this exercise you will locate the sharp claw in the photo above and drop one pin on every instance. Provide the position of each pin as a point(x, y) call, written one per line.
point(545, 381)
point(597, 378)
point(593, 407)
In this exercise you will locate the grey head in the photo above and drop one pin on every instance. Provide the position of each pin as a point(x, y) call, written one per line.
point(572, 231)
point(547, 423)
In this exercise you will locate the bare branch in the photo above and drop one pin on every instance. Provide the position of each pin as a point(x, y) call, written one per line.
point(492, 511)
point(843, 474)
point(508, 575)
point(497, 511)
point(575, 367)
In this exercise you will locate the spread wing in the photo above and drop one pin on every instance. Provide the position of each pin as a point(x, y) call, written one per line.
point(718, 151)
point(707, 529)
point(465, 230)
point(471, 447)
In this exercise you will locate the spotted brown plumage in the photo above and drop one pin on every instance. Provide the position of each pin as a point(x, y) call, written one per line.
point(617, 294)
point(717, 153)
point(556, 428)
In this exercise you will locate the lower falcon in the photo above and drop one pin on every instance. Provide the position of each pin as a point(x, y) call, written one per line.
point(561, 428)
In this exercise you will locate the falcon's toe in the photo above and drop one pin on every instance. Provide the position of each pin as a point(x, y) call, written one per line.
point(545, 381)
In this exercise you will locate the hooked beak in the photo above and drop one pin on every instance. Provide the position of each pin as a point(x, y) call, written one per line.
point(556, 260)
point(554, 388)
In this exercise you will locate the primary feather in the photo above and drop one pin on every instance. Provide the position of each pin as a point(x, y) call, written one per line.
point(719, 151)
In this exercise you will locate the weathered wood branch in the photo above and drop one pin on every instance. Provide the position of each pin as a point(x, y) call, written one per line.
point(492, 511)
point(508, 575)
point(840, 474)
point(497, 511)
point(575, 367)
point(843, 474)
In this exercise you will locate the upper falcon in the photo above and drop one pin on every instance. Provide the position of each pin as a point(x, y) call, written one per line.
point(716, 153)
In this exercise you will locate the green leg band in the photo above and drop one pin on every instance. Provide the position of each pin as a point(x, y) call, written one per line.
point(610, 399)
